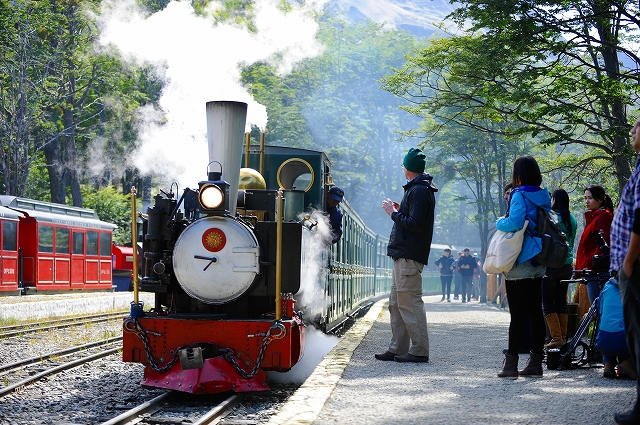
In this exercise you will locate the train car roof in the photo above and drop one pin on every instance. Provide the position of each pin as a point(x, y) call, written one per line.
point(8, 213)
point(55, 213)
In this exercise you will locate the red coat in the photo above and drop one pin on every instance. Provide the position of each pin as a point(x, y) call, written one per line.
point(588, 247)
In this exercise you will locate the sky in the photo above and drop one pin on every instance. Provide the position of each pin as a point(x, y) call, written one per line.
point(201, 63)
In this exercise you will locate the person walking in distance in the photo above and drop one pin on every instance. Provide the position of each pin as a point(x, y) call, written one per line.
point(445, 264)
point(409, 246)
point(467, 264)
point(625, 262)
point(457, 277)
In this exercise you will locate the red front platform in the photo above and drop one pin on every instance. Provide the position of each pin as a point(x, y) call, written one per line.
point(217, 375)
point(166, 335)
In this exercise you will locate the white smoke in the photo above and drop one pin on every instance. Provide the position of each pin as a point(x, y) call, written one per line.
point(200, 64)
point(311, 298)
point(317, 345)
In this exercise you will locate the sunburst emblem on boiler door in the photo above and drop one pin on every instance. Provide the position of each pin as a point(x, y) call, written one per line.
point(214, 240)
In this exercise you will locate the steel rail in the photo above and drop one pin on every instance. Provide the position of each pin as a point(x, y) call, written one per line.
point(132, 416)
point(57, 369)
point(62, 323)
point(37, 359)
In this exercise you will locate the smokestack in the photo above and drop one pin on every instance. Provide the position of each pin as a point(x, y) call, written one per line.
point(226, 122)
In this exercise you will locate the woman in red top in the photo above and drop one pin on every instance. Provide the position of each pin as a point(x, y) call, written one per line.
point(598, 217)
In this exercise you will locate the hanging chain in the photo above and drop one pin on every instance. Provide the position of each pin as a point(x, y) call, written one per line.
point(228, 353)
point(132, 325)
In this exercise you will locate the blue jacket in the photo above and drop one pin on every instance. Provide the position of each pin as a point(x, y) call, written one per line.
point(523, 206)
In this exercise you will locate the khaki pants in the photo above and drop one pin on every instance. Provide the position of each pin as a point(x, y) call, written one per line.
point(406, 309)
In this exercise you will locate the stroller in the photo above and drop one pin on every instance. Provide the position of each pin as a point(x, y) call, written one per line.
point(577, 352)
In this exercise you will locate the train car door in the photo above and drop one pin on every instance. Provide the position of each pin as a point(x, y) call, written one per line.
point(8, 255)
point(92, 260)
point(106, 261)
point(77, 259)
point(62, 259)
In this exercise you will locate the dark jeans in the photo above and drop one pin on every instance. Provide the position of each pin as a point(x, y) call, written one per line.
point(554, 292)
point(457, 280)
point(467, 285)
point(630, 293)
point(445, 280)
point(525, 300)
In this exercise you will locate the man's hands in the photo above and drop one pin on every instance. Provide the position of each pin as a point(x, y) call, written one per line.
point(390, 206)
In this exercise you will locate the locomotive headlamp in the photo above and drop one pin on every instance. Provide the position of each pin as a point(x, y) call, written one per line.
point(211, 196)
point(213, 193)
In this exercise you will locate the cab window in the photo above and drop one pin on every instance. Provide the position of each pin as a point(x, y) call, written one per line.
point(78, 243)
point(105, 244)
point(10, 236)
point(92, 243)
point(62, 241)
point(45, 239)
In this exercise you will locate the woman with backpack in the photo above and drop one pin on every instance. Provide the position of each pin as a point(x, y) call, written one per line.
point(524, 281)
point(554, 291)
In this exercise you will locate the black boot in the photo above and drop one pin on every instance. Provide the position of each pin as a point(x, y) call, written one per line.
point(534, 366)
point(510, 370)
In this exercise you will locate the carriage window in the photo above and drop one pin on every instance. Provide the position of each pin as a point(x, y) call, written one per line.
point(78, 243)
point(62, 241)
point(92, 243)
point(105, 244)
point(45, 239)
point(10, 240)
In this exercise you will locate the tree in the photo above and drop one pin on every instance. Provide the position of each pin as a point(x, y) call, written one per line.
point(556, 69)
point(23, 76)
point(111, 207)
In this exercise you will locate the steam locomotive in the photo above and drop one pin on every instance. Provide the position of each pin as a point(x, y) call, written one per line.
point(230, 261)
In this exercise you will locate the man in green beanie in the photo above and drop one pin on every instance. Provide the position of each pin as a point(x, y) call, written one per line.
point(409, 246)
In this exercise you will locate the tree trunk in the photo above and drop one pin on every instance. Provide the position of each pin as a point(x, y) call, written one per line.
point(54, 168)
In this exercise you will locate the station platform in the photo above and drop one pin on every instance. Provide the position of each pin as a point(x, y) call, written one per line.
point(458, 386)
point(67, 304)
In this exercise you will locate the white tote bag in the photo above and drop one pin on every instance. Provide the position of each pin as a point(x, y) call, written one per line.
point(503, 250)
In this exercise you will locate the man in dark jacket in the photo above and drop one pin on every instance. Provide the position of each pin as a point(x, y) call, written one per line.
point(445, 264)
point(409, 246)
point(467, 264)
point(334, 197)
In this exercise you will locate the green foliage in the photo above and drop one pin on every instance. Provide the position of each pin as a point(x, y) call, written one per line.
point(112, 207)
point(37, 186)
point(557, 70)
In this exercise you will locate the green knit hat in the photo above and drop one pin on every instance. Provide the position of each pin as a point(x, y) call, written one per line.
point(414, 160)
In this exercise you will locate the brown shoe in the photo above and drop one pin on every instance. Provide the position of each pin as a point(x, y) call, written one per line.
point(386, 356)
point(609, 370)
point(626, 370)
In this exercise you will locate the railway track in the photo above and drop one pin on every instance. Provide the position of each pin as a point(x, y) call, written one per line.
point(15, 369)
point(26, 328)
point(174, 407)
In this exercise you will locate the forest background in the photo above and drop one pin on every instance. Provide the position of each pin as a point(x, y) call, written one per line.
point(84, 116)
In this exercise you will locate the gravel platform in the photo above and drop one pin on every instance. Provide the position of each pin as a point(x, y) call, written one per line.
point(459, 384)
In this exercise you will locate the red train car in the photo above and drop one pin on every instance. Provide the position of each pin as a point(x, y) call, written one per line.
point(60, 247)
